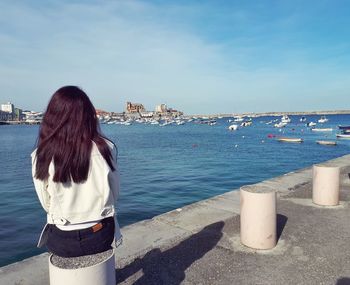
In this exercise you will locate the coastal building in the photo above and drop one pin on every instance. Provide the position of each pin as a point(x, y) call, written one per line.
point(134, 107)
point(164, 111)
point(100, 112)
point(162, 108)
point(5, 116)
point(174, 112)
point(8, 107)
point(146, 114)
point(18, 114)
point(32, 117)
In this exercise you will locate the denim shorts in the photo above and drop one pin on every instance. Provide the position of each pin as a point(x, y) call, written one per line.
point(80, 242)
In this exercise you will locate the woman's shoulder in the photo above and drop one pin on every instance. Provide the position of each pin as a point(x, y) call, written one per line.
point(109, 143)
point(33, 154)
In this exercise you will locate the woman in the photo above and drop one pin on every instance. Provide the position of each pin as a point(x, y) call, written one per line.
point(75, 176)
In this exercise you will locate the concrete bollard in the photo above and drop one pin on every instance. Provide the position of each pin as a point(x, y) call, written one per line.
point(325, 185)
point(258, 217)
point(101, 272)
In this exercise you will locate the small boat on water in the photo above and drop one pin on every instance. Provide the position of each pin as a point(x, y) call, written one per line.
point(280, 125)
point(285, 119)
point(343, 136)
point(303, 119)
point(239, 119)
point(246, 124)
point(233, 127)
point(344, 127)
point(326, 142)
point(311, 124)
point(291, 140)
point(322, 129)
point(323, 119)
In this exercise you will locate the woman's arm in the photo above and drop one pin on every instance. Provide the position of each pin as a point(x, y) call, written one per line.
point(114, 177)
point(40, 187)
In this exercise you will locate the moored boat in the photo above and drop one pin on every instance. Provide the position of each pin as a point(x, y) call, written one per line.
point(322, 129)
point(311, 124)
point(327, 142)
point(280, 125)
point(233, 127)
point(285, 119)
point(344, 127)
point(246, 124)
point(323, 119)
point(343, 136)
point(292, 140)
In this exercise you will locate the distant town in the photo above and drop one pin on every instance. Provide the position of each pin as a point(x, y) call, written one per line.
point(10, 114)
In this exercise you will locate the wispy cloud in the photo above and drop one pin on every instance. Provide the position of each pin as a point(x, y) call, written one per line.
point(195, 57)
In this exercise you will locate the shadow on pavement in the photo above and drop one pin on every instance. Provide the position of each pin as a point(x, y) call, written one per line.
point(281, 223)
point(168, 267)
point(343, 281)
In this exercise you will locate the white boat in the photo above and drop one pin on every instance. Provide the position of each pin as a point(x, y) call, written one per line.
point(233, 127)
point(292, 140)
point(303, 119)
point(285, 119)
point(322, 129)
point(246, 124)
point(323, 120)
point(343, 136)
point(311, 124)
point(239, 119)
point(327, 142)
point(166, 123)
point(280, 125)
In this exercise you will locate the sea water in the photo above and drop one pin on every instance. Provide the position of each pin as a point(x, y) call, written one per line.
point(162, 168)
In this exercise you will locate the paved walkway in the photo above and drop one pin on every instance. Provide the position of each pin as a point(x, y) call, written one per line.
point(313, 248)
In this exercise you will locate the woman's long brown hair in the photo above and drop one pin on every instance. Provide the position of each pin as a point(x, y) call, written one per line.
point(67, 132)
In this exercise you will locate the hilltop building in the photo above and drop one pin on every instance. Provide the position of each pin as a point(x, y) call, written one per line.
point(134, 107)
point(162, 108)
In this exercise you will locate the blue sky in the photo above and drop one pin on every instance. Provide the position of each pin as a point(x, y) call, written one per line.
point(196, 56)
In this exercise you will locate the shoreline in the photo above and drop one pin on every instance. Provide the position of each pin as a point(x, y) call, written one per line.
point(275, 114)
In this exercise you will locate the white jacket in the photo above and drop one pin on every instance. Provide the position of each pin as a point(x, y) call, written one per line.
point(72, 203)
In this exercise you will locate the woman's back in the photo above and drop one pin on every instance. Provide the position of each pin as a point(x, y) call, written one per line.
point(75, 175)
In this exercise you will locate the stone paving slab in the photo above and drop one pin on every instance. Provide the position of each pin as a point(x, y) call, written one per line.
point(194, 217)
point(138, 240)
point(31, 271)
